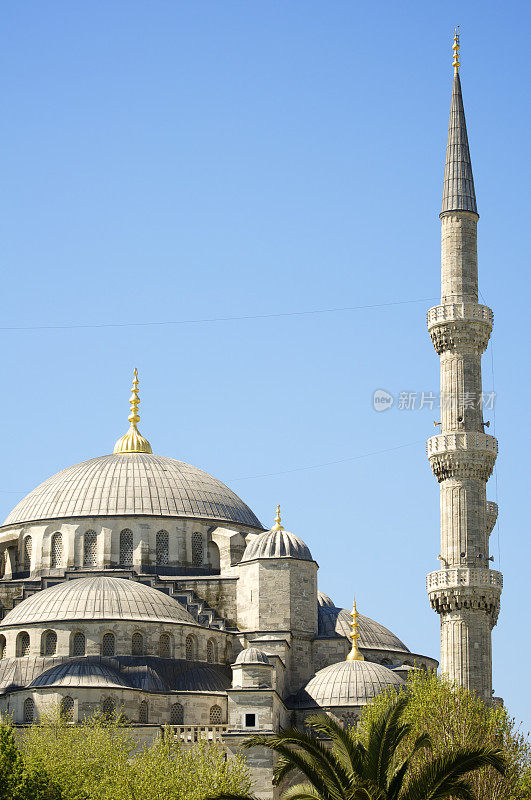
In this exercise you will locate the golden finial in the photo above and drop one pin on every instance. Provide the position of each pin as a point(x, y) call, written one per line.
point(277, 526)
point(354, 654)
point(455, 48)
point(132, 441)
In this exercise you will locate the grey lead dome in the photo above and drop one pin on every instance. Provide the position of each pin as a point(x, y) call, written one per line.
point(277, 544)
point(133, 484)
point(252, 655)
point(349, 683)
point(97, 598)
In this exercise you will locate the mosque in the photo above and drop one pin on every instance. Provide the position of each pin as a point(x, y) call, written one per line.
point(136, 584)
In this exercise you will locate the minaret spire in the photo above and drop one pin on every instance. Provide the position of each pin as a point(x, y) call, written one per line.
point(458, 188)
point(464, 591)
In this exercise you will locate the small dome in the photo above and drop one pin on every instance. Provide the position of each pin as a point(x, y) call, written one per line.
point(98, 597)
point(324, 600)
point(252, 655)
point(277, 544)
point(348, 683)
point(84, 673)
point(132, 484)
point(334, 622)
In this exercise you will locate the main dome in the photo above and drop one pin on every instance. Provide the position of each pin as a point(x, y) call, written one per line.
point(127, 484)
point(97, 598)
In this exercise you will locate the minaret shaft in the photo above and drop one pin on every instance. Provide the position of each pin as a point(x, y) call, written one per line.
point(464, 591)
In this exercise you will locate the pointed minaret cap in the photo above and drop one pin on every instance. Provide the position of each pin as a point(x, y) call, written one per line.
point(354, 654)
point(132, 441)
point(458, 188)
point(277, 526)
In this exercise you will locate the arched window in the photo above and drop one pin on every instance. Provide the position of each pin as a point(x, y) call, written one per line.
point(197, 549)
point(137, 644)
point(191, 648)
point(78, 644)
point(67, 709)
point(57, 550)
point(108, 644)
point(27, 554)
point(2, 646)
point(143, 713)
point(23, 644)
point(49, 643)
point(176, 714)
point(89, 549)
point(126, 547)
point(163, 546)
point(165, 645)
point(108, 707)
point(211, 651)
point(29, 710)
point(215, 715)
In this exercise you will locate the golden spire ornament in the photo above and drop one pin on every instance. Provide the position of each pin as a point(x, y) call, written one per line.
point(354, 654)
point(455, 48)
point(277, 526)
point(132, 441)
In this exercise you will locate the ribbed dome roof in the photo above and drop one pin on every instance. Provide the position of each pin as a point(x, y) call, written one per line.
point(96, 598)
point(324, 600)
point(348, 683)
point(334, 621)
point(276, 544)
point(252, 655)
point(81, 673)
point(129, 484)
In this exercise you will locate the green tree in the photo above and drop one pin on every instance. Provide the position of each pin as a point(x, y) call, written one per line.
point(337, 764)
point(457, 718)
point(17, 782)
point(100, 759)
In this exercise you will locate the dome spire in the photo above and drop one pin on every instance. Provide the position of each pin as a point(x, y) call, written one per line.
point(132, 441)
point(455, 47)
point(277, 526)
point(354, 654)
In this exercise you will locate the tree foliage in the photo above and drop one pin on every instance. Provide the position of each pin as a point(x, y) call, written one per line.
point(338, 764)
point(99, 759)
point(17, 781)
point(454, 718)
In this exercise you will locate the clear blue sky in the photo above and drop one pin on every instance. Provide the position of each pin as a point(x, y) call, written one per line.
point(170, 160)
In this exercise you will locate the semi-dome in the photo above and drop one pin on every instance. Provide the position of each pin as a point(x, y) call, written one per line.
point(97, 598)
point(348, 683)
point(130, 484)
point(252, 655)
point(86, 673)
point(334, 622)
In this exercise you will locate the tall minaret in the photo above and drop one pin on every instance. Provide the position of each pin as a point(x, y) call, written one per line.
point(465, 592)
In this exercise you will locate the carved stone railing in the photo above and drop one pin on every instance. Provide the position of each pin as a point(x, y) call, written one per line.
point(460, 326)
point(458, 577)
point(467, 454)
point(492, 515)
point(450, 312)
point(190, 734)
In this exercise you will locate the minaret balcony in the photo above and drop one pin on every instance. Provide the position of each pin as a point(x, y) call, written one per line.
point(492, 515)
point(476, 577)
point(460, 326)
point(465, 588)
point(463, 454)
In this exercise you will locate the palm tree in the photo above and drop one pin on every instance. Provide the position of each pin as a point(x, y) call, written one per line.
point(336, 765)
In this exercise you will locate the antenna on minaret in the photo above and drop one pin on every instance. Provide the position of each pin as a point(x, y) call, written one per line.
point(455, 48)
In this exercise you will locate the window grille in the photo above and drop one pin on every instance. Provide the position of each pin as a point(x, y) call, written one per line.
point(78, 644)
point(197, 549)
point(109, 707)
point(57, 550)
point(23, 644)
point(89, 549)
point(211, 651)
point(190, 648)
point(137, 644)
point(176, 714)
point(165, 646)
point(126, 547)
point(215, 715)
point(108, 644)
point(50, 643)
point(67, 709)
point(27, 553)
point(29, 710)
point(143, 713)
point(163, 545)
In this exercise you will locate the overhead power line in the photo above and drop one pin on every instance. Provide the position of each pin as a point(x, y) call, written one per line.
point(200, 321)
